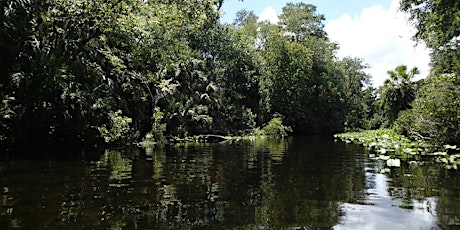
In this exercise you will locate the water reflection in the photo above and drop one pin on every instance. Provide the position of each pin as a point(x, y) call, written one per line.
point(383, 211)
point(298, 183)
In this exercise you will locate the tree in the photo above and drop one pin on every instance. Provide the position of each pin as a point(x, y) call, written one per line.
point(398, 91)
point(302, 21)
point(71, 64)
point(435, 116)
point(302, 80)
point(358, 97)
point(286, 88)
point(111, 68)
point(245, 18)
point(246, 21)
point(438, 25)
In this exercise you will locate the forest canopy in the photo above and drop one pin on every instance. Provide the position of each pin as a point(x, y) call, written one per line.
point(81, 73)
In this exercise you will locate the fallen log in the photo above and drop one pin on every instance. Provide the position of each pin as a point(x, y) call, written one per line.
point(215, 138)
point(210, 138)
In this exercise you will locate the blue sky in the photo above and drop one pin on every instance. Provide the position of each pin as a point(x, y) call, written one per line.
point(332, 9)
point(374, 30)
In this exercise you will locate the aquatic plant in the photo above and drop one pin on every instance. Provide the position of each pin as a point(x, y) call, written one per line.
point(389, 146)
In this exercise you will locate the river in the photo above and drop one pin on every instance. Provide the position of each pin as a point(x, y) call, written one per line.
point(306, 182)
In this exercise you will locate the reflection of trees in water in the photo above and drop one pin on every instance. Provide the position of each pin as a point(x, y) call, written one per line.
point(312, 183)
point(305, 190)
point(448, 203)
point(187, 193)
point(159, 162)
point(266, 185)
point(297, 182)
point(113, 186)
point(430, 188)
point(119, 167)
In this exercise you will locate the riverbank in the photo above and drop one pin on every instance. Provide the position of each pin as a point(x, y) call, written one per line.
point(392, 147)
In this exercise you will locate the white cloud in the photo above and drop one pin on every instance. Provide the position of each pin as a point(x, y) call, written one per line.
point(382, 38)
point(269, 14)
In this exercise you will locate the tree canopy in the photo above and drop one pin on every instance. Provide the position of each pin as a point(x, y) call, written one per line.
point(438, 25)
point(434, 112)
point(85, 73)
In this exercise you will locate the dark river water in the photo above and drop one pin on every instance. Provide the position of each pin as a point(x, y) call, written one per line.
point(299, 183)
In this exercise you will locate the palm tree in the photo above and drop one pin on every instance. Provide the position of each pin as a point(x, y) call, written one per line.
point(400, 75)
point(398, 91)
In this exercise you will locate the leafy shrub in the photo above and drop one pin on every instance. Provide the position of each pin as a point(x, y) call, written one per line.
point(404, 122)
point(119, 130)
point(436, 112)
point(249, 118)
point(158, 128)
point(275, 128)
point(156, 134)
point(5, 115)
point(377, 121)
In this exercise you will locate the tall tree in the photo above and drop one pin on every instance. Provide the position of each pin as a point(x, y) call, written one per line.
point(436, 112)
point(73, 64)
point(357, 97)
point(398, 91)
point(247, 21)
point(289, 75)
point(438, 25)
point(302, 79)
point(302, 20)
point(434, 115)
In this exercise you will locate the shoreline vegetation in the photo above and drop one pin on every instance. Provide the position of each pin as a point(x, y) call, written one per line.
point(273, 129)
point(75, 75)
point(389, 146)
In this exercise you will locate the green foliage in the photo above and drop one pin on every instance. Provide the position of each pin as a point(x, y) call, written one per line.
point(158, 128)
point(358, 98)
point(390, 146)
point(247, 22)
point(5, 114)
point(226, 93)
point(387, 144)
point(89, 61)
point(156, 134)
point(172, 64)
point(403, 124)
point(148, 141)
point(302, 21)
point(275, 128)
point(302, 79)
point(398, 92)
point(119, 129)
point(435, 115)
point(438, 25)
point(290, 66)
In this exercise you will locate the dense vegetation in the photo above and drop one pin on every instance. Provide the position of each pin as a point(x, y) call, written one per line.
point(424, 115)
point(80, 73)
point(433, 111)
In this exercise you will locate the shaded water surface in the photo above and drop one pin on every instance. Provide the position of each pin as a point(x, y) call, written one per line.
point(299, 183)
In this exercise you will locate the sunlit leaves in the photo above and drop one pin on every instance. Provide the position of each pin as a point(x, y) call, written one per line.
point(357, 97)
point(436, 111)
point(72, 62)
point(119, 128)
point(438, 25)
point(302, 21)
point(302, 79)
